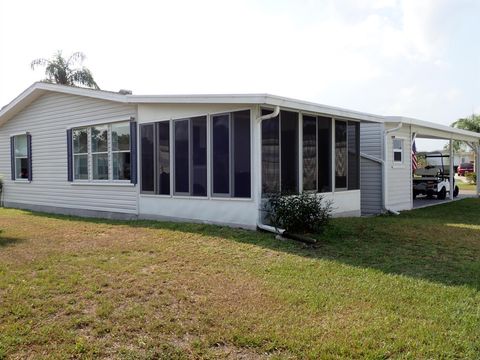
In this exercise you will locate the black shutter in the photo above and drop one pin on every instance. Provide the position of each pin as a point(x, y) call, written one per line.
point(133, 152)
point(29, 154)
point(69, 155)
point(12, 156)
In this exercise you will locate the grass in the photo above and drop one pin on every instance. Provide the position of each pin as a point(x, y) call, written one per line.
point(380, 287)
point(466, 186)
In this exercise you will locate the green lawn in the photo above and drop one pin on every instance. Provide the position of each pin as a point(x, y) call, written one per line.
point(465, 186)
point(403, 286)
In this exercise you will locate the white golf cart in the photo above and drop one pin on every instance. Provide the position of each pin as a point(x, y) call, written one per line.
point(433, 179)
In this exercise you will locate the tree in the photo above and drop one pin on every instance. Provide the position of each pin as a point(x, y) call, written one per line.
point(471, 123)
point(63, 71)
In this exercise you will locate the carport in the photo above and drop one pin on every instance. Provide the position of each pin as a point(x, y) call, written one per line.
point(386, 161)
point(420, 129)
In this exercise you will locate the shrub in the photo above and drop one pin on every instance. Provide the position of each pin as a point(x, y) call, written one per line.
point(471, 177)
point(303, 213)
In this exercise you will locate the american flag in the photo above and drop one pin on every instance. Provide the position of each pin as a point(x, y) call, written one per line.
point(414, 156)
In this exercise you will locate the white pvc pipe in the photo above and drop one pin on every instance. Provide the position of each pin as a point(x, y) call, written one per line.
point(275, 113)
point(260, 225)
point(271, 229)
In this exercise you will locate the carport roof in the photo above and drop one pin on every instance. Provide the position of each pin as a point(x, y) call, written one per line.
point(429, 130)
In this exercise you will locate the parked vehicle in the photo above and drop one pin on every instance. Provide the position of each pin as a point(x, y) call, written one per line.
point(434, 180)
point(464, 168)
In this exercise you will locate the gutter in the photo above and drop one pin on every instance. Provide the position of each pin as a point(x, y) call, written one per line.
point(260, 225)
point(385, 168)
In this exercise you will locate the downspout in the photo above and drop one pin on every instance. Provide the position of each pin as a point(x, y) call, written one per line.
point(260, 225)
point(385, 167)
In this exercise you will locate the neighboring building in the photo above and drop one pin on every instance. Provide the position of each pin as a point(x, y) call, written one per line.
point(386, 160)
point(206, 158)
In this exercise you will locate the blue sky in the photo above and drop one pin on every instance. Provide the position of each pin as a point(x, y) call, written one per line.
point(417, 58)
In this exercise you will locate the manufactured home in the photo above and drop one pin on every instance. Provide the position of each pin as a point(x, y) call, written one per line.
point(204, 158)
point(386, 160)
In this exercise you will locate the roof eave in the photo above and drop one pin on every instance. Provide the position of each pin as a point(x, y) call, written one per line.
point(37, 89)
point(449, 132)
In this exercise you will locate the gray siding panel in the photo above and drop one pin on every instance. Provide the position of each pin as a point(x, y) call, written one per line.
point(371, 143)
point(47, 120)
point(371, 139)
point(371, 187)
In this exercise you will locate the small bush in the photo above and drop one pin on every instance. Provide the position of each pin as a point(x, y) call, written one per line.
point(471, 177)
point(304, 213)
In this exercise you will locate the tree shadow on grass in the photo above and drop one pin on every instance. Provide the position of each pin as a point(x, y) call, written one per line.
point(439, 244)
point(8, 241)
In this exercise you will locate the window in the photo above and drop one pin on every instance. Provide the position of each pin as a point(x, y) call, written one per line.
point(102, 152)
point(80, 154)
point(182, 165)
point(198, 155)
point(155, 158)
point(270, 154)
point(280, 153)
point(147, 161)
point(340, 154)
point(121, 151)
point(21, 166)
point(316, 153)
point(231, 154)
point(309, 153)
point(241, 154)
point(221, 154)
point(397, 151)
point(353, 132)
point(163, 157)
point(289, 151)
point(347, 155)
point(190, 156)
point(99, 141)
point(324, 154)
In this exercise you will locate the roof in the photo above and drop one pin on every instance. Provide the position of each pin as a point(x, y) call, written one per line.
point(40, 88)
point(430, 130)
point(427, 129)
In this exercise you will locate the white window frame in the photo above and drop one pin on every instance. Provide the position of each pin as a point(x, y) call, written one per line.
point(73, 153)
point(400, 150)
point(111, 151)
point(90, 154)
point(108, 152)
point(17, 178)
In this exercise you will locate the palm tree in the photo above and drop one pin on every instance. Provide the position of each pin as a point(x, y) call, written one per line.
point(471, 123)
point(62, 71)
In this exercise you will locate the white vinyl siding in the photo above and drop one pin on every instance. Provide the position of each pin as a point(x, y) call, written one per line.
point(47, 119)
point(399, 189)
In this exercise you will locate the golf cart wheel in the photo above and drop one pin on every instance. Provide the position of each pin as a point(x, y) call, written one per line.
point(456, 191)
point(442, 194)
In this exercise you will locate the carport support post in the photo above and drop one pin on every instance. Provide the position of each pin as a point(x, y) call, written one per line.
point(451, 177)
